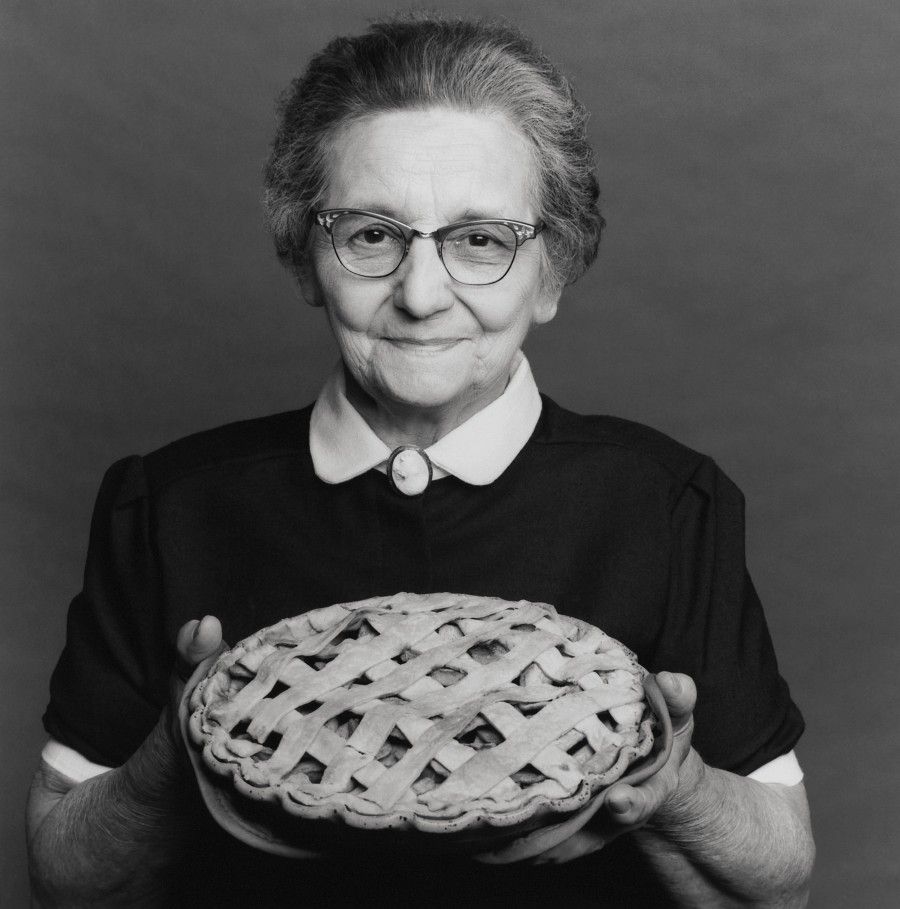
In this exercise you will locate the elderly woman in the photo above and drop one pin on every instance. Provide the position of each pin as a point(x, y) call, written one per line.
point(431, 188)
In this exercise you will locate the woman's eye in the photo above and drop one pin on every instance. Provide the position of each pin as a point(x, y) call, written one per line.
point(372, 236)
point(480, 240)
point(490, 239)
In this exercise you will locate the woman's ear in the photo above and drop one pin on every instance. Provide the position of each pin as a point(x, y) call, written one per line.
point(309, 284)
point(546, 306)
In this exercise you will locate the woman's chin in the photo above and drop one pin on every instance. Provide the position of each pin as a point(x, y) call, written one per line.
point(438, 387)
point(427, 398)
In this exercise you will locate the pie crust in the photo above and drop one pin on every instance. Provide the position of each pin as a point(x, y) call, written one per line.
point(434, 712)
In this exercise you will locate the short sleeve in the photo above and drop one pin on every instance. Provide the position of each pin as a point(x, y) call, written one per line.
point(110, 683)
point(716, 632)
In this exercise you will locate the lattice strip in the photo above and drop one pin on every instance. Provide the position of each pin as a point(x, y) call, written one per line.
point(490, 766)
point(553, 761)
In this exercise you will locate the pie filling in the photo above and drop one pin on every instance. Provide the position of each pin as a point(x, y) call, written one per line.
point(432, 711)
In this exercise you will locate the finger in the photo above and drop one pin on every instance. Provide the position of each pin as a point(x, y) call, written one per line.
point(206, 640)
point(633, 806)
point(196, 642)
point(680, 693)
point(624, 804)
point(582, 843)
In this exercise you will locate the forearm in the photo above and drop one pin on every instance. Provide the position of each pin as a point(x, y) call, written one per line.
point(726, 840)
point(111, 839)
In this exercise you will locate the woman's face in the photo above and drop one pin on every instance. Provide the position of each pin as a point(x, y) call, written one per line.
point(417, 340)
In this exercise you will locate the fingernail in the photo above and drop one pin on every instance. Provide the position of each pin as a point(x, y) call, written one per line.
point(621, 805)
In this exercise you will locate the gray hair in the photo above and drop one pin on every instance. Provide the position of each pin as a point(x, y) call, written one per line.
point(423, 61)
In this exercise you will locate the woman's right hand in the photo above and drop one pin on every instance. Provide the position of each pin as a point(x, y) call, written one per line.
point(113, 839)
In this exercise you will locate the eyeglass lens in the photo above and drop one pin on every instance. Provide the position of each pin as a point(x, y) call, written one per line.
point(472, 254)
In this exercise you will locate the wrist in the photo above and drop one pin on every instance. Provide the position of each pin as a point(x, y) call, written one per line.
point(157, 776)
point(689, 802)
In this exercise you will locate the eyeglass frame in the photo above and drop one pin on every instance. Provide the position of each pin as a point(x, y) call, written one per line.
point(522, 231)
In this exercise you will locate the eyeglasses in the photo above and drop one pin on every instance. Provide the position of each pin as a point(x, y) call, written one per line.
point(473, 252)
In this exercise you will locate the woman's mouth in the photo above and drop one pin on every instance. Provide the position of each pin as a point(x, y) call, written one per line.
point(424, 344)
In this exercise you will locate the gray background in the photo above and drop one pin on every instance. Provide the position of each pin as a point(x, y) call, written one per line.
point(744, 302)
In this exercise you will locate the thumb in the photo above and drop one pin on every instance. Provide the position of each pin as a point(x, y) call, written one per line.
point(680, 693)
point(197, 641)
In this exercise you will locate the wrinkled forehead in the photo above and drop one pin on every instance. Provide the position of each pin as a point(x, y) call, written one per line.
point(432, 166)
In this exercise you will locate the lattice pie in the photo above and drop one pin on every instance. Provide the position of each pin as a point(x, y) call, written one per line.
point(435, 712)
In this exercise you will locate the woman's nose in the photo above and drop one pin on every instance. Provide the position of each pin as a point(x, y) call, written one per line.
point(424, 287)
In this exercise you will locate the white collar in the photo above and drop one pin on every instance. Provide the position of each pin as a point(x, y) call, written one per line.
point(344, 446)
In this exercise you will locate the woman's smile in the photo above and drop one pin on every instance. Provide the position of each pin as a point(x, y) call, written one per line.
point(424, 344)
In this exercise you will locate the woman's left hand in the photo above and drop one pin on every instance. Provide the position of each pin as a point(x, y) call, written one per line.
point(628, 807)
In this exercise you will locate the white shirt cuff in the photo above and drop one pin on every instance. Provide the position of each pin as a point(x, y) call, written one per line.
point(785, 770)
point(70, 763)
point(67, 761)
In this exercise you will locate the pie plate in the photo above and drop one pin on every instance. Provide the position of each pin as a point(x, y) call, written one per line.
point(435, 723)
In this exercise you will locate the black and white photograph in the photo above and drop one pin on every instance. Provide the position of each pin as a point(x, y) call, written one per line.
point(449, 454)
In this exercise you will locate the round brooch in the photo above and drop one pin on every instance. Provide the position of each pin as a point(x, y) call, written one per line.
point(409, 470)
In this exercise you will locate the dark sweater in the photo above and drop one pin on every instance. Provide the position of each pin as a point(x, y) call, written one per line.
point(609, 521)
